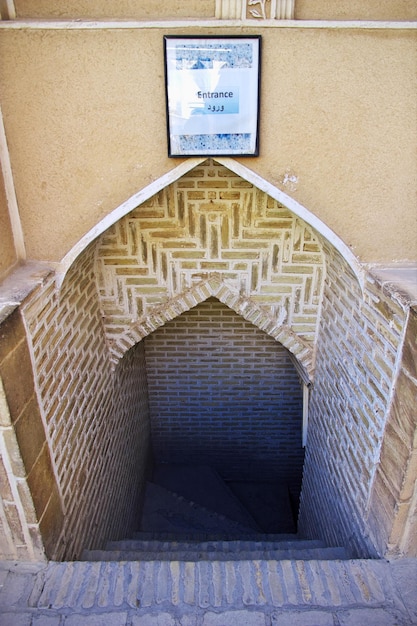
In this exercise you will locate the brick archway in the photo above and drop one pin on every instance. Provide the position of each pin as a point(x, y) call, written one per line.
point(280, 216)
point(213, 286)
point(128, 282)
point(212, 233)
point(187, 166)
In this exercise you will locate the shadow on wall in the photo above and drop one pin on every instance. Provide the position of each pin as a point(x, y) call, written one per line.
point(225, 394)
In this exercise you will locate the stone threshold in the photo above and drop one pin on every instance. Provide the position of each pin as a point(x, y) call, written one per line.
point(254, 593)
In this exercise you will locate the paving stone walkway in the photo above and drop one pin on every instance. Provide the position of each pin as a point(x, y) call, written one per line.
point(227, 593)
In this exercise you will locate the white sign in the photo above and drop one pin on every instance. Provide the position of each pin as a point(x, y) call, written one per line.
point(212, 87)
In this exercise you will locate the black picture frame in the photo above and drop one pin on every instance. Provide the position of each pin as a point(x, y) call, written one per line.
point(212, 87)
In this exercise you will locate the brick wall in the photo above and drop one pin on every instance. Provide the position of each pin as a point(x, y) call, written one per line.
point(80, 388)
point(357, 355)
point(392, 517)
point(211, 233)
point(98, 439)
point(211, 223)
point(223, 393)
point(130, 450)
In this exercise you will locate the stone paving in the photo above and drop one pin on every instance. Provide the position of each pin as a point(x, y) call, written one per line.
point(240, 593)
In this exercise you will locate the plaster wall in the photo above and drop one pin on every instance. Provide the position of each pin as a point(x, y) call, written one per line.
point(84, 113)
point(355, 10)
point(124, 9)
point(155, 9)
point(8, 254)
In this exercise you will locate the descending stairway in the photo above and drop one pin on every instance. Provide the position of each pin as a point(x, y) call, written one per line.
point(191, 515)
point(154, 550)
point(220, 571)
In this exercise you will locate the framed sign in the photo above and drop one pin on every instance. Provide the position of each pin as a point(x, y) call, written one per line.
point(212, 95)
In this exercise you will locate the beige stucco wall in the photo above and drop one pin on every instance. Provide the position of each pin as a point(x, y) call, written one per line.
point(125, 9)
point(8, 254)
point(84, 113)
point(157, 9)
point(355, 10)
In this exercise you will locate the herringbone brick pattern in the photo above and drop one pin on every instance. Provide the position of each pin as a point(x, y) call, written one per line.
point(210, 223)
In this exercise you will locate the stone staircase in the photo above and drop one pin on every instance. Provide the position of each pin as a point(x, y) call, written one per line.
point(209, 593)
point(212, 526)
point(221, 550)
point(190, 565)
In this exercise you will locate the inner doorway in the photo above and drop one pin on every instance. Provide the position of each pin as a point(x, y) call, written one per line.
point(225, 398)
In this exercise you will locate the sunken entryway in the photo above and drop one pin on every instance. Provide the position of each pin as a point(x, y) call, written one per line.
point(226, 396)
point(81, 423)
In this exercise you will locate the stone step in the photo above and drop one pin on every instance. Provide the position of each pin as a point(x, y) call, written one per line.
point(207, 536)
point(228, 593)
point(303, 554)
point(204, 486)
point(195, 587)
point(165, 511)
point(268, 504)
point(155, 545)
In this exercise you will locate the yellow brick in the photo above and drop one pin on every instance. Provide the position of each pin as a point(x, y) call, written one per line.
point(212, 184)
point(196, 195)
point(215, 205)
point(229, 195)
point(189, 265)
point(247, 255)
point(179, 244)
point(152, 224)
point(214, 265)
point(188, 255)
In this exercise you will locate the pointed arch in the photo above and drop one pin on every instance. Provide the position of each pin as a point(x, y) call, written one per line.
point(238, 168)
point(123, 209)
point(301, 211)
point(214, 286)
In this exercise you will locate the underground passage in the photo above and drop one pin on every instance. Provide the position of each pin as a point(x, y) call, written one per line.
point(208, 314)
point(225, 410)
point(169, 358)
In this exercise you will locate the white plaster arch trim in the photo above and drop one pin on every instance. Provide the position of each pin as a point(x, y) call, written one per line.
point(244, 306)
point(238, 168)
point(299, 210)
point(123, 209)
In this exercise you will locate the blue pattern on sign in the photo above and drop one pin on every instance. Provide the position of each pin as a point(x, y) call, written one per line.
point(227, 55)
